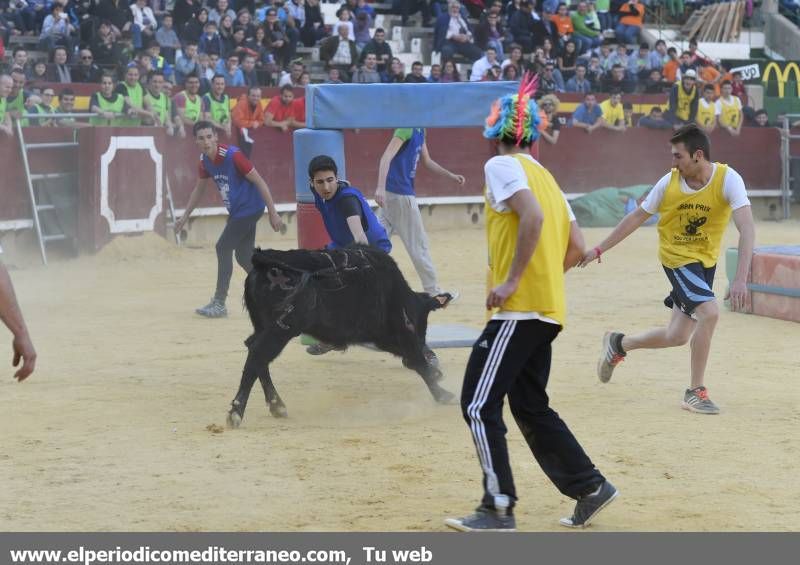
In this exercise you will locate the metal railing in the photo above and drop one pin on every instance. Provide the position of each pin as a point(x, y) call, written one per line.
point(786, 160)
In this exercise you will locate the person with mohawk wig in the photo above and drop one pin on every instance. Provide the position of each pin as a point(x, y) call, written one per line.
point(533, 240)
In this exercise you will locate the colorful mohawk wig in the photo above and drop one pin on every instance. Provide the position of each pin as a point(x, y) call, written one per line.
point(515, 116)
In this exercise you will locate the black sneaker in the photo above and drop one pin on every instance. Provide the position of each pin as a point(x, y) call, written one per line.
point(214, 309)
point(590, 506)
point(484, 520)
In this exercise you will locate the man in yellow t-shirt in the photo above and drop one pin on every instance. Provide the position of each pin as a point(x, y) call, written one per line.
point(729, 108)
point(695, 201)
point(707, 110)
point(613, 112)
point(533, 239)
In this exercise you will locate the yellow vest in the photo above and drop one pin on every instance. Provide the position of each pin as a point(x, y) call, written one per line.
point(684, 108)
point(691, 225)
point(706, 115)
point(730, 113)
point(541, 288)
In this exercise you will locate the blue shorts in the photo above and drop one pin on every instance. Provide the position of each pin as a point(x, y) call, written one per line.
point(691, 286)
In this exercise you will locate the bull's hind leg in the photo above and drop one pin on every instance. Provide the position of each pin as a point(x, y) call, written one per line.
point(276, 406)
point(263, 348)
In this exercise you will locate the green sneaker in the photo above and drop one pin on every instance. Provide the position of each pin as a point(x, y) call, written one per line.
point(696, 400)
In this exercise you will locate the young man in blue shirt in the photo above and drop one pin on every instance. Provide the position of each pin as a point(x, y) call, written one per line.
point(396, 196)
point(244, 193)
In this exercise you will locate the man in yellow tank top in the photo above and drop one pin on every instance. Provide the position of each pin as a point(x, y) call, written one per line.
point(533, 239)
point(707, 110)
point(695, 201)
point(729, 108)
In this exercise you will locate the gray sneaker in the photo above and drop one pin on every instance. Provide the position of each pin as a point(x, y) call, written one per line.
point(696, 400)
point(214, 309)
point(609, 357)
point(319, 348)
point(484, 520)
point(590, 506)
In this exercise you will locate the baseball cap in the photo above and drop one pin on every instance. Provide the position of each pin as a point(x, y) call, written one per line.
point(690, 74)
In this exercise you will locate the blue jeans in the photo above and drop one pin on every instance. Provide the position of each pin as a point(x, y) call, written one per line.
point(607, 20)
point(627, 33)
point(585, 42)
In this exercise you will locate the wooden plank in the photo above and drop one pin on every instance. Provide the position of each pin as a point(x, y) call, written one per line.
point(740, 19)
point(728, 27)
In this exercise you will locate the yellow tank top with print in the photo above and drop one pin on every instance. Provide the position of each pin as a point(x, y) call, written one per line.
point(541, 288)
point(684, 108)
point(691, 225)
point(706, 113)
point(730, 113)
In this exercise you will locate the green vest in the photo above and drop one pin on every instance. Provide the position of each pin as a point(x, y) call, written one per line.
point(116, 105)
point(18, 104)
point(41, 109)
point(2, 110)
point(160, 105)
point(136, 96)
point(220, 111)
point(192, 109)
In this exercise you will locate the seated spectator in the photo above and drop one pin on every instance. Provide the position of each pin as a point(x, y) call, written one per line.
point(223, 9)
point(38, 72)
point(631, 19)
point(105, 47)
point(594, 72)
point(453, 35)
point(588, 37)
point(225, 31)
point(58, 70)
point(361, 29)
point(158, 62)
point(483, 64)
point(617, 81)
point(245, 22)
point(333, 76)
point(116, 12)
point(168, 40)
point(490, 33)
point(685, 65)
point(248, 69)
point(293, 76)
point(450, 72)
point(210, 41)
point(683, 100)
point(568, 60)
point(381, 49)
point(495, 73)
point(194, 29)
point(368, 73)
point(695, 58)
point(86, 70)
point(313, 29)
point(655, 120)
point(730, 110)
point(282, 113)
point(415, 76)
point(588, 116)
point(247, 115)
point(396, 71)
point(604, 16)
point(639, 64)
point(707, 110)
point(296, 13)
point(670, 68)
point(282, 41)
point(56, 30)
point(613, 112)
point(761, 119)
point(144, 23)
point(408, 8)
point(659, 55)
point(340, 52)
point(523, 27)
point(187, 63)
point(655, 84)
point(345, 19)
point(549, 83)
point(187, 10)
point(549, 105)
point(231, 71)
point(579, 83)
point(510, 73)
point(619, 56)
point(563, 24)
point(435, 74)
point(514, 59)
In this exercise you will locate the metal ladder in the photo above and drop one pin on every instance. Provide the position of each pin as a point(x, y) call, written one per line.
point(36, 207)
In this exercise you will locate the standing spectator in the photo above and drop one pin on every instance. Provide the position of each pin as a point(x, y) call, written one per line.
point(340, 52)
point(415, 76)
point(313, 29)
point(579, 83)
point(59, 68)
point(185, 11)
point(549, 104)
point(454, 36)
point(588, 37)
point(450, 72)
point(490, 33)
point(186, 63)
point(188, 104)
point(10, 314)
point(108, 104)
point(56, 30)
point(222, 9)
point(248, 114)
point(483, 64)
point(168, 40)
point(282, 113)
point(132, 92)
point(6, 84)
point(160, 105)
point(144, 23)
point(613, 112)
point(86, 70)
point(631, 19)
point(217, 106)
point(380, 48)
point(588, 115)
point(707, 110)
point(730, 110)
point(683, 100)
point(231, 72)
point(655, 120)
point(695, 58)
point(368, 73)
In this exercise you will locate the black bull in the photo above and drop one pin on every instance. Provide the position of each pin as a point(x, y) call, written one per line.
point(340, 297)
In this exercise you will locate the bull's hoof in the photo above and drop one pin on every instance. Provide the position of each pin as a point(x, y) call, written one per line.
point(234, 419)
point(435, 373)
point(278, 410)
point(443, 396)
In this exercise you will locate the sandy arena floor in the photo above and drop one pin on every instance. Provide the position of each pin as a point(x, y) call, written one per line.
point(113, 431)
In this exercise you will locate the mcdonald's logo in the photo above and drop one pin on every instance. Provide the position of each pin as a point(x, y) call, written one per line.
point(783, 75)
